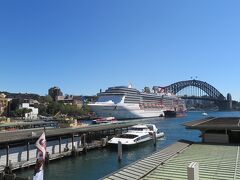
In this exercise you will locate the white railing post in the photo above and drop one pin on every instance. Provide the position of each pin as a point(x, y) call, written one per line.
point(193, 171)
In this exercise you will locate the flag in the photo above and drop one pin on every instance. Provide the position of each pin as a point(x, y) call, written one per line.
point(41, 146)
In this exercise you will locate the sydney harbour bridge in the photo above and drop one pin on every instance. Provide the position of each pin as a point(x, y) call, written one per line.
point(199, 91)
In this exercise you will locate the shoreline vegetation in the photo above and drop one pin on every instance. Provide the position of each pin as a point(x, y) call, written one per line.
point(48, 108)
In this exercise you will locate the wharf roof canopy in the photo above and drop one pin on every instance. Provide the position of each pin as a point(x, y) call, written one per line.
point(24, 135)
point(215, 123)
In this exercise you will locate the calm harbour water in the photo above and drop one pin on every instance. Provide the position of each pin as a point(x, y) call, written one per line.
point(98, 163)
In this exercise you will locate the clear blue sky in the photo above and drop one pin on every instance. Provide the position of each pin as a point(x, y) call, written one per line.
point(82, 46)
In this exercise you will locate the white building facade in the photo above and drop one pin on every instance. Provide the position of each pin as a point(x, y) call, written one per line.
point(31, 115)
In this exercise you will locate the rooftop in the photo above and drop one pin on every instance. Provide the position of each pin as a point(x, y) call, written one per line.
point(222, 123)
point(23, 135)
point(215, 162)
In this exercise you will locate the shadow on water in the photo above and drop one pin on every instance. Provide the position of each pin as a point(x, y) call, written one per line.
point(98, 163)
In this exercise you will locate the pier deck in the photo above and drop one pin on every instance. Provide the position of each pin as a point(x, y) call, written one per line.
point(143, 167)
point(215, 162)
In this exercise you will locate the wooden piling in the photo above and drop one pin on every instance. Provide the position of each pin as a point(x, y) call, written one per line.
point(7, 153)
point(28, 151)
point(60, 144)
point(74, 149)
point(119, 151)
point(84, 140)
point(72, 141)
point(154, 139)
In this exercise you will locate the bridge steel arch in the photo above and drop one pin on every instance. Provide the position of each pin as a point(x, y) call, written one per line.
point(207, 88)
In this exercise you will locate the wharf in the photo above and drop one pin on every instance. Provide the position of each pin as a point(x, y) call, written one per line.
point(60, 155)
point(27, 125)
point(217, 129)
point(17, 149)
point(33, 134)
point(215, 162)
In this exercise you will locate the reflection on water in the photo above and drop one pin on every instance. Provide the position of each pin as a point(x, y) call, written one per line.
point(98, 163)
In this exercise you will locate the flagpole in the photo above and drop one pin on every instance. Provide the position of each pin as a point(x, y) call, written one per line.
point(44, 130)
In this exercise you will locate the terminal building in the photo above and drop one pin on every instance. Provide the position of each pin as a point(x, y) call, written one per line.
point(217, 130)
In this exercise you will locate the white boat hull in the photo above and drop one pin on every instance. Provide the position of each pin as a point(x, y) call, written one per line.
point(125, 111)
point(127, 142)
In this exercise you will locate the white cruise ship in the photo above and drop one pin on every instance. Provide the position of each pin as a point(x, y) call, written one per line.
point(124, 102)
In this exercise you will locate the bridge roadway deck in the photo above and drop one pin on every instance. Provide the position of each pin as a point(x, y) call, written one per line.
point(31, 134)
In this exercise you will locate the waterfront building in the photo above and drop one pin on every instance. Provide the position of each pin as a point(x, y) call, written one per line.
point(57, 95)
point(31, 115)
point(32, 102)
point(3, 103)
point(217, 129)
point(70, 99)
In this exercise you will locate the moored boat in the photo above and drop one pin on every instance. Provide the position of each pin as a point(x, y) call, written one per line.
point(137, 134)
point(204, 114)
point(104, 120)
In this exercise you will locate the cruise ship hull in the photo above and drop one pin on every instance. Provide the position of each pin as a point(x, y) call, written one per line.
point(125, 111)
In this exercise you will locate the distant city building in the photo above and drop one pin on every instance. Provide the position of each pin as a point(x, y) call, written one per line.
point(87, 99)
point(57, 95)
point(32, 102)
point(70, 99)
point(54, 92)
point(31, 115)
point(229, 99)
point(3, 103)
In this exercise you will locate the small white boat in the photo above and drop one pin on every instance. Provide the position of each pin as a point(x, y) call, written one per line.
point(104, 120)
point(137, 134)
point(204, 114)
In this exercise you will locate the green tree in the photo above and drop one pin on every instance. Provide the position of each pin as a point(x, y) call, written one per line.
point(42, 109)
point(21, 112)
point(46, 99)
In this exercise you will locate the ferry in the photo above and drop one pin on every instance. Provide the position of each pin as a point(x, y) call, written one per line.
point(126, 102)
point(137, 134)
